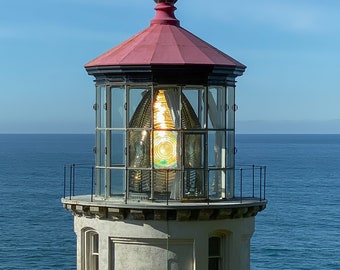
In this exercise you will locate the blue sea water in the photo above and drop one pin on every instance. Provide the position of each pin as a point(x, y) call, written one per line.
point(36, 232)
point(299, 229)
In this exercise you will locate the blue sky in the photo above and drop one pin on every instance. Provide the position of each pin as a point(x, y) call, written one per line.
point(291, 49)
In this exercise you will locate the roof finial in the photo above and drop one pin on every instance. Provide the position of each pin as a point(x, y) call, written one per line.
point(165, 13)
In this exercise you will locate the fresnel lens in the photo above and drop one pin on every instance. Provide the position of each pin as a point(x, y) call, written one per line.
point(158, 152)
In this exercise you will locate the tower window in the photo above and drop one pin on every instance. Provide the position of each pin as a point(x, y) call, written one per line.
point(215, 254)
point(91, 250)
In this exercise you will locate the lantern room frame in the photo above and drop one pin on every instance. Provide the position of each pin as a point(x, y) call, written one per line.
point(211, 95)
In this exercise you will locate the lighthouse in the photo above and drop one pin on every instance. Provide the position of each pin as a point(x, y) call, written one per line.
point(164, 192)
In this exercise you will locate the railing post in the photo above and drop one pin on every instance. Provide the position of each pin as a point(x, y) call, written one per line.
point(265, 182)
point(166, 182)
point(253, 181)
point(261, 183)
point(241, 184)
point(74, 178)
point(64, 181)
point(71, 174)
point(234, 183)
point(127, 187)
point(206, 176)
point(92, 174)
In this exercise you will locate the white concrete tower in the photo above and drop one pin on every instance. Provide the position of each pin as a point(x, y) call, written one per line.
point(165, 191)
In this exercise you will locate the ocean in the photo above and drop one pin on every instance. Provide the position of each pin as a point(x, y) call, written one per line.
point(299, 229)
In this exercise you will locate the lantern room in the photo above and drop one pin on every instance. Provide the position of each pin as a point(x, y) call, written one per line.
point(165, 116)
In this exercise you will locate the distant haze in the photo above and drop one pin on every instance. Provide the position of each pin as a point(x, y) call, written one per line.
point(288, 127)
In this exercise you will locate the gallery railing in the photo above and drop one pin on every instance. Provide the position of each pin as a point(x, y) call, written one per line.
point(78, 172)
point(250, 182)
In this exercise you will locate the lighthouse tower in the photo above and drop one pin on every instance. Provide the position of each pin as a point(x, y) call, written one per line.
point(165, 192)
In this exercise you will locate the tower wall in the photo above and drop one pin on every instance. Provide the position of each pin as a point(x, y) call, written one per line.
point(164, 245)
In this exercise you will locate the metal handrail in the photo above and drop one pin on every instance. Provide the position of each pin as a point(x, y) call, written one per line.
point(70, 173)
point(250, 181)
point(258, 176)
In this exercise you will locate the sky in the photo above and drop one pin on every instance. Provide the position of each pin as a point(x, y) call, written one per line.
point(291, 49)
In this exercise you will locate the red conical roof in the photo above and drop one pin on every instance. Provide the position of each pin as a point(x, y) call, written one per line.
point(164, 43)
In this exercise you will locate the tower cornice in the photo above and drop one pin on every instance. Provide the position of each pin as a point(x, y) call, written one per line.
point(179, 211)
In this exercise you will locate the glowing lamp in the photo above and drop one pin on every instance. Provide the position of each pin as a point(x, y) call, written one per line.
point(164, 141)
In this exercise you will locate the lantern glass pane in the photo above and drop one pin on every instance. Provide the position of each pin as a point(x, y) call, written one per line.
point(165, 149)
point(230, 119)
point(216, 149)
point(117, 182)
point(231, 149)
point(193, 146)
point(195, 99)
point(216, 107)
point(140, 100)
point(101, 107)
point(193, 183)
point(100, 181)
point(100, 147)
point(216, 184)
point(117, 148)
point(139, 181)
point(166, 184)
point(139, 148)
point(117, 108)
